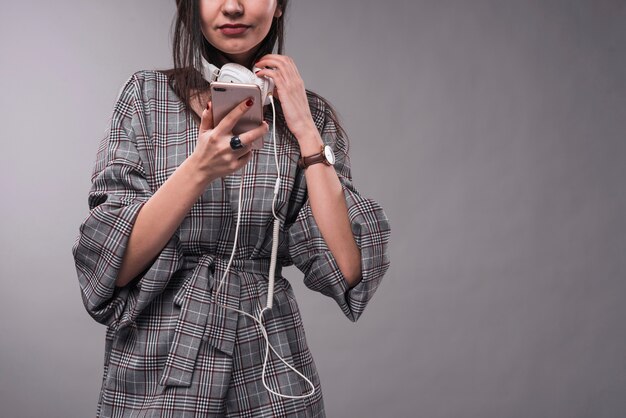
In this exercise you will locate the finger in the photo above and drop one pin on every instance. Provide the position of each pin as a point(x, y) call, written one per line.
point(227, 124)
point(277, 78)
point(206, 120)
point(277, 69)
point(243, 160)
point(268, 72)
point(271, 60)
point(272, 73)
point(247, 138)
point(240, 160)
point(278, 63)
point(245, 156)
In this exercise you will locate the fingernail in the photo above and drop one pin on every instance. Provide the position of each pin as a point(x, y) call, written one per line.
point(208, 105)
point(249, 102)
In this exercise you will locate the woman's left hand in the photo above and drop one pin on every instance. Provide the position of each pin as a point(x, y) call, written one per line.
point(290, 90)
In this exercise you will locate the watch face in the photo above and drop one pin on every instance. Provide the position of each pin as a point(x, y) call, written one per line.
point(328, 153)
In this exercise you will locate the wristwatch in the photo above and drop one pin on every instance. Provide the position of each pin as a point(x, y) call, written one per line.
point(325, 156)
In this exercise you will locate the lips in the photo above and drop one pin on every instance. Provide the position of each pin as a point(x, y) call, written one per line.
point(233, 29)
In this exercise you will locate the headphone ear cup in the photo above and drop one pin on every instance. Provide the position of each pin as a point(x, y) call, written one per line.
point(235, 73)
point(209, 71)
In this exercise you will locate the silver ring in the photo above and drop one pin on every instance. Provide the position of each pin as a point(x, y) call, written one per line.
point(235, 143)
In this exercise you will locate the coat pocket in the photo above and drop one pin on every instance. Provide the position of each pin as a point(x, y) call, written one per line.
point(138, 352)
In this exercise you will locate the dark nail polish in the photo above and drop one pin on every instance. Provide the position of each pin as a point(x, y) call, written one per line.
point(208, 105)
point(249, 102)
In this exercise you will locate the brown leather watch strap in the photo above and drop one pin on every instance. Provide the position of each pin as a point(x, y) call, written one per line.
point(304, 162)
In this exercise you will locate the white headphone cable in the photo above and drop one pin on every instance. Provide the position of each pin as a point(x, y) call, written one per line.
point(270, 284)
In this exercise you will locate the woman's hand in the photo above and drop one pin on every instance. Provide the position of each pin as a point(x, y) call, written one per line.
point(162, 214)
point(290, 91)
point(213, 156)
point(325, 193)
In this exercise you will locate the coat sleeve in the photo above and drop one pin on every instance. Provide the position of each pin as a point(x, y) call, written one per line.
point(371, 229)
point(119, 190)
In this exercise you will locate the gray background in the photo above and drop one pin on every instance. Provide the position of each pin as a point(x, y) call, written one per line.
point(492, 132)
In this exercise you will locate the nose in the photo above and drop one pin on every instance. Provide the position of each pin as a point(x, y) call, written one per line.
point(232, 7)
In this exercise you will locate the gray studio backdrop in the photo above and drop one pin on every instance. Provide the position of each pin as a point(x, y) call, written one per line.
point(493, 134)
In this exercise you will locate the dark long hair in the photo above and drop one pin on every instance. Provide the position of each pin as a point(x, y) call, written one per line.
point(189, 44)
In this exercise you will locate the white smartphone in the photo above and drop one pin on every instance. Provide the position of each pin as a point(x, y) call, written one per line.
point(224, 98)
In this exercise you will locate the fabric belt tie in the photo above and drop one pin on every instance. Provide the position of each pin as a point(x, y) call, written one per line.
point(201, 319)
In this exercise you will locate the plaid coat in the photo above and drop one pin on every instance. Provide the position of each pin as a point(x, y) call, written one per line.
point(170, 351)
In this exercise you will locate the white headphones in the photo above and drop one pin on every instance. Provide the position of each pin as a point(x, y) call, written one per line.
point(235, 73)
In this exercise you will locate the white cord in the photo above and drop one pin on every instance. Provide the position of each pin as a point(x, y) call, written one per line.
point(270, 284)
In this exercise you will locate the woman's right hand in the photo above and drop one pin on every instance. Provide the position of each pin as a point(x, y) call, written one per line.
point(213, 156)
point(162, 214)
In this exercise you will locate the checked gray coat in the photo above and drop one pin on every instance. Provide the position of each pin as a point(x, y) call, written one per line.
point(170, 351)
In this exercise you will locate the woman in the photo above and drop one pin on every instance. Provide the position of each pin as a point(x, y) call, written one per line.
point(161, 228)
